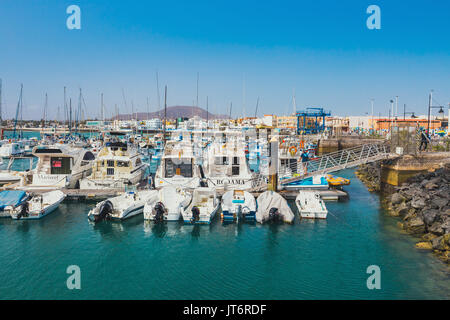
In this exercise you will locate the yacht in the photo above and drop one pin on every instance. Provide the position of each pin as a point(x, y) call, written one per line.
point(58, 166)
point(178, 167)
point(226, 167)
point(11, 150)
point(116, 166)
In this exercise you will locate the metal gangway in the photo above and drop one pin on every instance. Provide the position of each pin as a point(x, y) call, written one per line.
point(334, 161)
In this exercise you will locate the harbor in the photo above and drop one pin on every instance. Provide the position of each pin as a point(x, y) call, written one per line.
point(225, 159)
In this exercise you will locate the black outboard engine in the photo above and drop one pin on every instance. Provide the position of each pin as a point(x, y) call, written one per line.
point(104, 211)
point(275, 215)
point(159, 212)
point(195, 214)
point(24, 210)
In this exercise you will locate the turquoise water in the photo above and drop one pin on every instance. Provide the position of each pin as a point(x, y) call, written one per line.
point(136, 260)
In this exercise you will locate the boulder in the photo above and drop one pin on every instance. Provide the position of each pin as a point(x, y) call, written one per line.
point(431, 186)
point(397, 198)
point(436, 228)
point(415, 225)
point(402, 210)
point(418, 203)
point(424, 245)
point(437, 202)
point(429, 216)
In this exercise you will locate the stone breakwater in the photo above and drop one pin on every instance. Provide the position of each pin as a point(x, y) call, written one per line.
point(423, 204)
point(370, 175)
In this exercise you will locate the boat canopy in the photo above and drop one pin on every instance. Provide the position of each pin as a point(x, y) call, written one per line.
point(11, 198)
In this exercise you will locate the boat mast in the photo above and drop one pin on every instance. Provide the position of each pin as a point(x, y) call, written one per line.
point(19, 104)
point(165, 115)
point(1, 119)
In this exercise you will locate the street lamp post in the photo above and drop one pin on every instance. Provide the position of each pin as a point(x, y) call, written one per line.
point(441, 110)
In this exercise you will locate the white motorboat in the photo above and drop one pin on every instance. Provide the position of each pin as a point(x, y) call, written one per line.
point(122, 207)
point(273, 207)
point(167, 204)
point(203, 207)
point(58, 166)
point(11, 149)
point(178, 167)
point(238, 204)
point(116, 166)
point(226, 167)
point(38, 206)
point(310, 205)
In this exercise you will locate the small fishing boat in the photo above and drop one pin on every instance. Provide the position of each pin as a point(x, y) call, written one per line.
point(38, 206)
point(122, 207)
point(203, 207)
point(310, 205)
point(274, 208)
point(13, 198)
point(167, 204)
point(238, 204)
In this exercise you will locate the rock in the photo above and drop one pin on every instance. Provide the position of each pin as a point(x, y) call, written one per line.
point(418, 203)
point(410, 215)
point(424, 245)
point(402, 209)
point(438, 203)
point(415, 225)
point(441, 243)
point(429, 216)
point(431, 186)
point(436, 229)
point(428, 237)
point(397, 198)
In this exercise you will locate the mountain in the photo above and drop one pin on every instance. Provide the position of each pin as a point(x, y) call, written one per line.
point(173, 113)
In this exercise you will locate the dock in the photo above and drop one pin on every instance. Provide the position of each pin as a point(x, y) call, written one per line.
point(101, 194)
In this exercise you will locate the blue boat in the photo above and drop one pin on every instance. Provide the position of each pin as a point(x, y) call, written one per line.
point(315, 182)
point(11, 198)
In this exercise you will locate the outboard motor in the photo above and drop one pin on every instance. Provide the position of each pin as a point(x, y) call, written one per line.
point(275, 215)
point(195, 214)
point(24, 210)
point(159, 212)
point(104, 211)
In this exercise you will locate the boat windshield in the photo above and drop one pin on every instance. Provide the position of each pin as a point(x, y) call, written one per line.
point(179, 167)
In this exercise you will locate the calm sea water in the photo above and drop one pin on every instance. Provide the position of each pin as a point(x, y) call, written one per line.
point(137, 260)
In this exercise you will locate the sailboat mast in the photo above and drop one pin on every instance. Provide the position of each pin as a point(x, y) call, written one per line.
point(19, 103)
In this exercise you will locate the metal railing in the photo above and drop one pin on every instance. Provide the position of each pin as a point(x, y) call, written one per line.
point(334, 161)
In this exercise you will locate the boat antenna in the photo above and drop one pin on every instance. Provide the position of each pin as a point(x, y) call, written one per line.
point(231, 107)
point(207, 113)
point(124, 100)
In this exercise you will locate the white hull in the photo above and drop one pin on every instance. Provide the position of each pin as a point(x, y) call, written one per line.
point(310, 205)
point(40, 212)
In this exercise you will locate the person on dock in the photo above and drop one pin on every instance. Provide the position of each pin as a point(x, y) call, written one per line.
point(305, 159)
point(423, 140)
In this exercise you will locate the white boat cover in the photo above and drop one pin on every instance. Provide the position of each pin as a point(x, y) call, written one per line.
point(271, 199)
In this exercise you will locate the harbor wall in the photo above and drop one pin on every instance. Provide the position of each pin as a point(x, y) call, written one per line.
point(416, 190)
point(335, 144)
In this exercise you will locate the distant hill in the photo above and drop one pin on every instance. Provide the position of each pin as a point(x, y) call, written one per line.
point(173, 113)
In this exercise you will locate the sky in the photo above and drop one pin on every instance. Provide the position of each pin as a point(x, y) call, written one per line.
point(320, 51)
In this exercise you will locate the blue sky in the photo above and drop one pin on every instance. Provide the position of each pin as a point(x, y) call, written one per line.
point(242, 50)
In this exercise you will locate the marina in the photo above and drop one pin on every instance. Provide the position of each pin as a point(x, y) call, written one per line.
point(227, 159)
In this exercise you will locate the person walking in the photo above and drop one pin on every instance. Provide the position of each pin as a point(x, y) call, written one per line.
point(305, 159)
point(423, 140)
